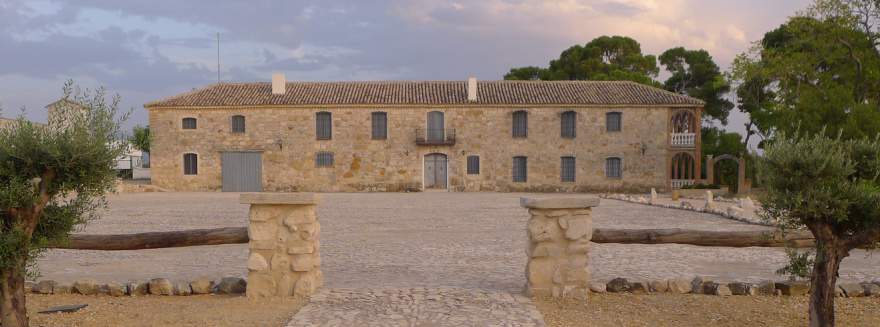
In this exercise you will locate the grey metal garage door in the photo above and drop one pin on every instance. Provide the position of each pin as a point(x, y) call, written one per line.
point(242, 172)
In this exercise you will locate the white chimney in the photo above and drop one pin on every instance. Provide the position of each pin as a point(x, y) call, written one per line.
point(472, 89)
point(279, 84)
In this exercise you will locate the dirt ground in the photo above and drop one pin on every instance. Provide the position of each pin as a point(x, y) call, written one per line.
point(699, 310)
point(199, 310)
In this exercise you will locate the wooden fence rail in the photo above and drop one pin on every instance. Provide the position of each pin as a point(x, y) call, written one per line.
point(236, 235)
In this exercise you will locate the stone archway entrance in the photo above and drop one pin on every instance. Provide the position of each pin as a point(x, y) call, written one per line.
point(435, 171)
point(741, 184)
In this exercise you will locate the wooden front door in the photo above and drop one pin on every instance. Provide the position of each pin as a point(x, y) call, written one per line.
point(435, 171)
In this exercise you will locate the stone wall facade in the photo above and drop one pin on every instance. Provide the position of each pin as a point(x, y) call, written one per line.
point(559, 232)
point(284, 244)
point(286, 138)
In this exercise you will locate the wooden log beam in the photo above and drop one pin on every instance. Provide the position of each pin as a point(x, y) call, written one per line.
point(156, 240)
point(796, 239)
point(237, 235)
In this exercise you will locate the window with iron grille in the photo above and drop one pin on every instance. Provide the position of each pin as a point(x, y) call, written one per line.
point(520, 169)
point(324, 159)
point(380, 125)
point(473, 165)
point(569, 124)
point(520, 123)
point(323, 125)
point(613, 167)
point(190, 164)
point(613, 121)
point(238, 124)
point(567, 171)
point(189, 123)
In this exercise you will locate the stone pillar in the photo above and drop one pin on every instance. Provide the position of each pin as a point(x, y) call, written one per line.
point(710, 170)
point(284, 259)
point(559, 232)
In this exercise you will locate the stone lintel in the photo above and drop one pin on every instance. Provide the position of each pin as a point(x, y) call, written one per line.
point(279, 198)
point(560, 203)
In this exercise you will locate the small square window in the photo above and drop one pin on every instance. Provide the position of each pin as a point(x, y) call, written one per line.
point(324, 159)
point(189, 123)
point(613, 168)
point(613, 121)
point(473, 165)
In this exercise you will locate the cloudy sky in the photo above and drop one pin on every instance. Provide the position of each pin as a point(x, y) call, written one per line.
point(145, 50)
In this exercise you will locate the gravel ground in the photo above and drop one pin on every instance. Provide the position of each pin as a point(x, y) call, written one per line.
point(699, 310)
point(196, 311)
point(464, 240)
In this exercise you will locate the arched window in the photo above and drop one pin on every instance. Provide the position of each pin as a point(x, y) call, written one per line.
point(379, 121)
point(323, 125)
point(189, 123)
point(613, 121)
point(613, 167)
point(683, 122)
point(238, 124)
point(569, 124)
point(520, 123)
point(190, 164)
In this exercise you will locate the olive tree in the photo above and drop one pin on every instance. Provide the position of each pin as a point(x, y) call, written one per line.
point(829, 186)
point(52, 180)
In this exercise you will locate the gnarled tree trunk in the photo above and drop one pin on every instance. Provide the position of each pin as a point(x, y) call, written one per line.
point(829, 253)
point(13, 312)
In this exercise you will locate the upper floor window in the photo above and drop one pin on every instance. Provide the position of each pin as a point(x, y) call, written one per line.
point(520, 123)
point(520, 169)
point(238, 124)
point(569, 124)
point(189, 123)
point(379, 121)
point(473, 165)
point(613, 167)
point(324, 159)
point(190, 164)
point(324, 125)
point(613, 121)
point(567, 171)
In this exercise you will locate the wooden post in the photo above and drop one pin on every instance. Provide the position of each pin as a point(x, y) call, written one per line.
point(284, 258)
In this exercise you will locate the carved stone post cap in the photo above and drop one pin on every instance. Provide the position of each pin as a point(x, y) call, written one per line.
point(560, 203)
point(279, 198)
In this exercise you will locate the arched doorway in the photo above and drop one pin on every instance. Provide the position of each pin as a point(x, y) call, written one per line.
point(684, 126)
point(741, 183)
point(435, 171)
point(683, 170)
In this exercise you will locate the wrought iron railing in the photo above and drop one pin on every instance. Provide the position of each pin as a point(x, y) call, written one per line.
point(679, 183)
point(439, 136)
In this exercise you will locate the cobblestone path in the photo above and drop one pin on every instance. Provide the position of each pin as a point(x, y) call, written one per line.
point(436, 307)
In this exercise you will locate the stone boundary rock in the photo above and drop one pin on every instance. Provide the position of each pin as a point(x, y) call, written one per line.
point(155, 286)
point(734, 212)
point(706, 286)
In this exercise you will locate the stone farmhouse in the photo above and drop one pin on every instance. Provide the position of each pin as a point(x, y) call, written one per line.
point(508, 136)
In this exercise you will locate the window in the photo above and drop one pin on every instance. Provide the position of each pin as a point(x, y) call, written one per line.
point(380, 125)
point(189, 123)
point(569, 124)
point(473, 165)
point(190, 164)
point(613, 167)
point(520, 169)
point(238, 124)
point(567, 171)
point(520, 123)
point(323, 125)
point(324, 159)
point(613, 121)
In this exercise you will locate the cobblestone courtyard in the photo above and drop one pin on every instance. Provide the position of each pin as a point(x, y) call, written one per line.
point(406, 240)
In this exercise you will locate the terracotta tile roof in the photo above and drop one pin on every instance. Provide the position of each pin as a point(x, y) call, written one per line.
point(428, 93)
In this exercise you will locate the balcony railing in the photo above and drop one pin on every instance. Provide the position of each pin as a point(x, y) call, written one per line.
point(440, 136)
point(684, 139)
point(679, 183)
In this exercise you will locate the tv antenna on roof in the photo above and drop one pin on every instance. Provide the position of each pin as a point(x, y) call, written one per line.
point(218, 57)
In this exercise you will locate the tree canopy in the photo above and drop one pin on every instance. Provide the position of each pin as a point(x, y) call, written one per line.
point(695, 74)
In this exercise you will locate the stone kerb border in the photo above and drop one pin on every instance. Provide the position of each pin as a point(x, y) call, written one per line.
point(737, 211)
point(559, 232)
point(284, 235)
